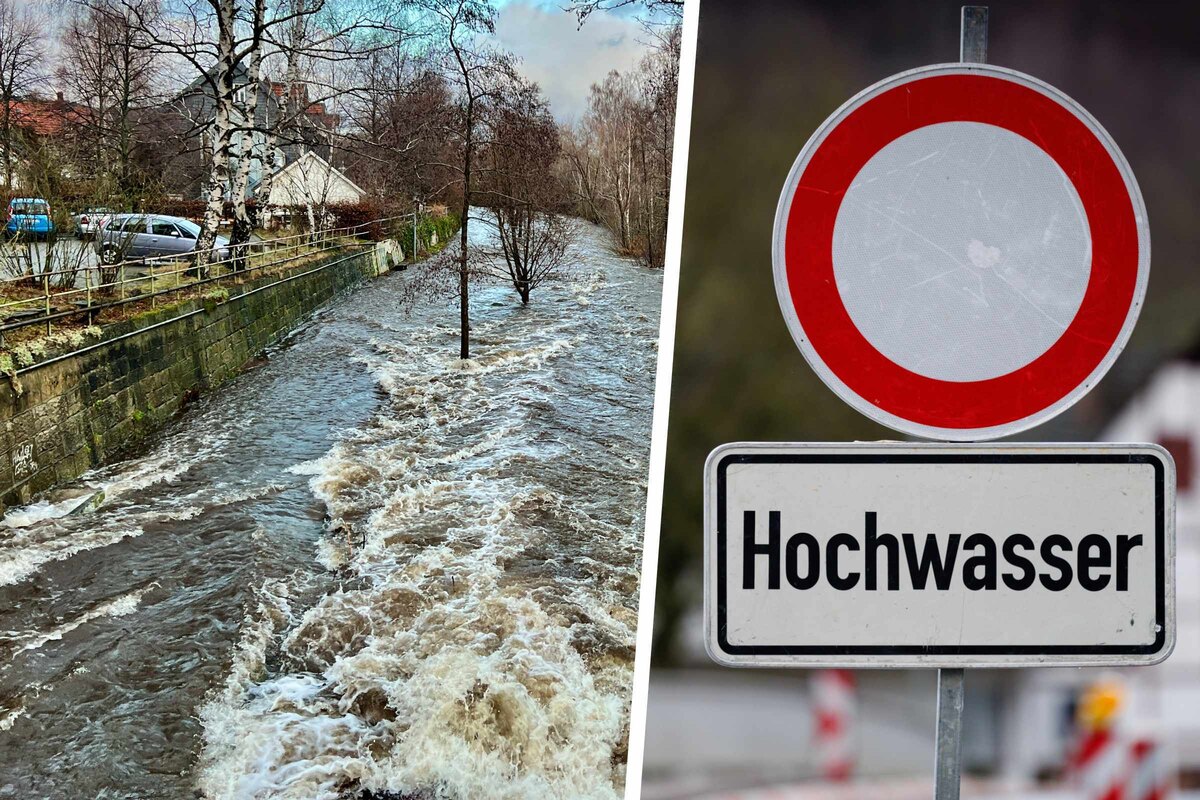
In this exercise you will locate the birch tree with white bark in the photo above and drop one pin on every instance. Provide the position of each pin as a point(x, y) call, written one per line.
point(224, 44)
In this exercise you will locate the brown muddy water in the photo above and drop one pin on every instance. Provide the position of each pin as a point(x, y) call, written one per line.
point(363, 568)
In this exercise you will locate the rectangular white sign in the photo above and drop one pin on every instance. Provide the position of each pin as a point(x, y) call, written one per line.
point(939, 555)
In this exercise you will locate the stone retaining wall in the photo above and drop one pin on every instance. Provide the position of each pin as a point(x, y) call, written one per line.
point(63, 416)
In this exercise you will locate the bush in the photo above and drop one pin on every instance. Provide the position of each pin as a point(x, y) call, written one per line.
point(188, 209)
point(444, 224)
point(350, 215)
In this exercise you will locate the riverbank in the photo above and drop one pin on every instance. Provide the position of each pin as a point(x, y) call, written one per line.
point(113, 387)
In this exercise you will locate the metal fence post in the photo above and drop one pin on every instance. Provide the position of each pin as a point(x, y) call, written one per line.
point(46, 289)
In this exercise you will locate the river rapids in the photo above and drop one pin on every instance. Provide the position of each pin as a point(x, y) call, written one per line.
point(363, 569)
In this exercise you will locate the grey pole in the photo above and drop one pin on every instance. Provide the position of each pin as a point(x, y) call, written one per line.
point(947, 759)
point(972, 45)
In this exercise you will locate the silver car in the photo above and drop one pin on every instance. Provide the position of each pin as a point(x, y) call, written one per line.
point(90, 220)
point(127, 236)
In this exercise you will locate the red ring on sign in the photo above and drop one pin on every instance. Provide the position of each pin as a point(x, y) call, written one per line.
point(808, 250)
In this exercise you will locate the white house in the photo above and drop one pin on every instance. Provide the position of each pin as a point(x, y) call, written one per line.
point(311, 180)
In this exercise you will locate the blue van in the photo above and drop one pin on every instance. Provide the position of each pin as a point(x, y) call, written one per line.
point(29, 215)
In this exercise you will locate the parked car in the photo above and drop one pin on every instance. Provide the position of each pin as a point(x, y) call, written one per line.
point(90, 220)
point(126, 236)
point(30, 216)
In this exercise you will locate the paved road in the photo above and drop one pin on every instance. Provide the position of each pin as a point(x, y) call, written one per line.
point(66, 253)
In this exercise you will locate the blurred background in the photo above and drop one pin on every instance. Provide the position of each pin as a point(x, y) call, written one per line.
point(767, 74)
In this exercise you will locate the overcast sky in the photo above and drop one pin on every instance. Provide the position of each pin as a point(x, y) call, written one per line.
point(564, 58)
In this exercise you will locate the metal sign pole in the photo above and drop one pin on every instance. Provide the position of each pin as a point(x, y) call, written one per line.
point(947, 760)
point(972, 47)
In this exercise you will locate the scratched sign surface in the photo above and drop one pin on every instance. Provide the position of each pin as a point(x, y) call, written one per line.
point(939, 555)
point(961, 252)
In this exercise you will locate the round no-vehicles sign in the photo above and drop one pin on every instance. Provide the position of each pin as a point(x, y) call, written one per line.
point(961, 252)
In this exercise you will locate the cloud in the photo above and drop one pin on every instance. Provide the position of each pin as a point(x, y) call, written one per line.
point(564, 59)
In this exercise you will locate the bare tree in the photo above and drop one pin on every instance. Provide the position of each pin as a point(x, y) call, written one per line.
point(611, 126)
point(534, 246)
point(666, 8)
point(521, 190)
point(578, 171)
point(477, 75)
point(618, 159)
point(398, 119)
point(658, 78)
point(108, 69)
point(22, 50)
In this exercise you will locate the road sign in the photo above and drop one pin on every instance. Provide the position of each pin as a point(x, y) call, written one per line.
point(961, 252)
point(939, 555)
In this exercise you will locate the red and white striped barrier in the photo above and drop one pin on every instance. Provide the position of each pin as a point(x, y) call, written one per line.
point(1106, 766)
point(1149, 772)
point(1097, 764)
point(833, 713)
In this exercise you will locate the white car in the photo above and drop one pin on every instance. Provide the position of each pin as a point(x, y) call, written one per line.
point(90, 220)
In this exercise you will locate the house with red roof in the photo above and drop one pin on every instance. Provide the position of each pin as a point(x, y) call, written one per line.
point(37, 124)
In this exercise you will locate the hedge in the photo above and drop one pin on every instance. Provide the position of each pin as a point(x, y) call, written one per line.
point(444, 225)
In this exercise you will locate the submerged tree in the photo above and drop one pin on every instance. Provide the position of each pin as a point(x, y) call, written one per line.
point(477, 76)
point(521, 190)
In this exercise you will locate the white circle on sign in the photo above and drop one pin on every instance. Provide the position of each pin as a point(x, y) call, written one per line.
point(829, 337)
point(961, 251)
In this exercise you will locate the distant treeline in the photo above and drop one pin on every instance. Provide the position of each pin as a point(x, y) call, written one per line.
point(617, 160)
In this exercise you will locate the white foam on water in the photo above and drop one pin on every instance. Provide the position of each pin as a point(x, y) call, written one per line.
point(40, 534)
point(119, 607)
point(241, 494)
point(10, 717)
point(481, 643)
point(24, 516)
point(23, 556)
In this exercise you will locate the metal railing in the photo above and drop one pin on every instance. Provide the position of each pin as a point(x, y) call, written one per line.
point(148, 279)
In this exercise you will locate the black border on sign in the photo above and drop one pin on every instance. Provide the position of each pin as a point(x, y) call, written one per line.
point(946, 458)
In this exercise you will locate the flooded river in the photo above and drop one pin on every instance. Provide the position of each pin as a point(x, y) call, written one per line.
point(362, 569)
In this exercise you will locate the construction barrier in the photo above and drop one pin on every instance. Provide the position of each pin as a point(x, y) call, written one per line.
point(833, 714)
